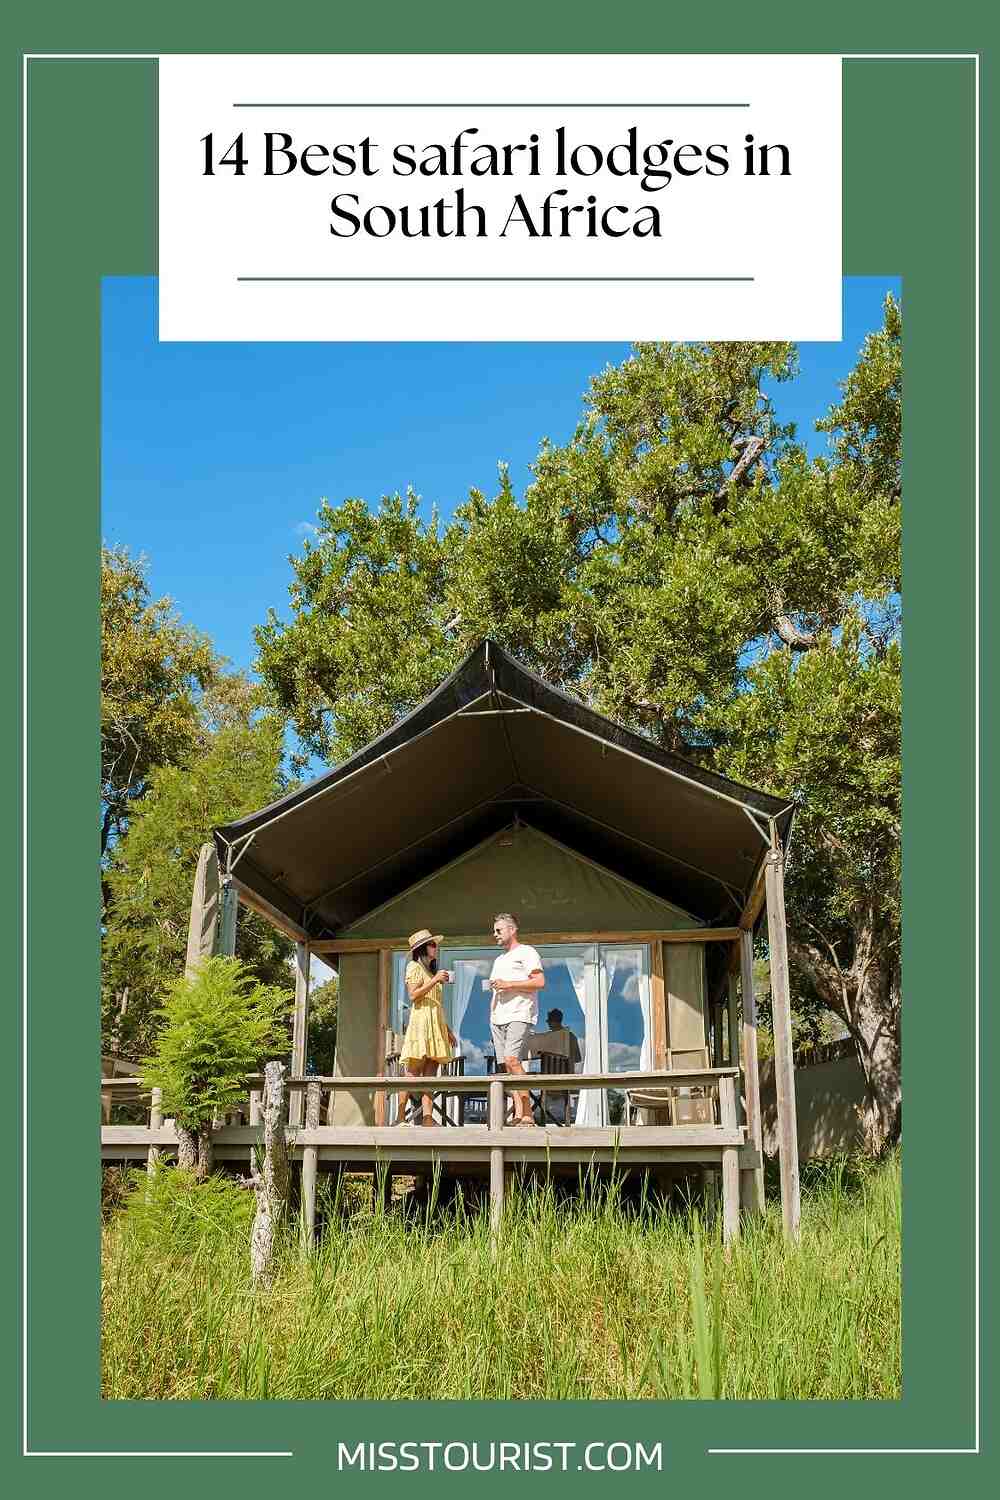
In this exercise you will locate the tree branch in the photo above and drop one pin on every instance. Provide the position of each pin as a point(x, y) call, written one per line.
point(796, 639)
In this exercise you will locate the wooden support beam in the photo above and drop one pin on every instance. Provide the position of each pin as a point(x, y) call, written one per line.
point(730, 1164)
point(381, 1025)
point(755, 900)
point(497, 1104)
point(781, 1011)
point(300, 1027)
point(733, 1020)
point(310, 1166)
point(270, 913)
point(658, 1000)
point(752, 1184)
point(324, 946)
point(155, 1123)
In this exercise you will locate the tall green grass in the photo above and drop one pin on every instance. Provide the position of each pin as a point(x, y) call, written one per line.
point(593, 1298)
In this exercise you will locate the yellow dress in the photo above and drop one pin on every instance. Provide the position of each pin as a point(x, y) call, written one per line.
point(427, 1032)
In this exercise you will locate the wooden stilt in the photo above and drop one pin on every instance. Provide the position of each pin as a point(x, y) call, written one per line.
point(155, 1123)
point(784, 1068)
point(730, 1164)
point(381, 1025)
point(310, 1166)
point(752, 1180)
point(300, 1028)
point(733, 1020)
point(496, 1110)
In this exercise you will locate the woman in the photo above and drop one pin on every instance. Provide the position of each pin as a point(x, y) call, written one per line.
point(429, 1039)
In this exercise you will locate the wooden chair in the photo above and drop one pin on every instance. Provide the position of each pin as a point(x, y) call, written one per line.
point(685, 1104)
point(455, 1068)
point(553, 1108)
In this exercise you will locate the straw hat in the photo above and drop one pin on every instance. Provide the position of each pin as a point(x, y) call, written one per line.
point(418, 939)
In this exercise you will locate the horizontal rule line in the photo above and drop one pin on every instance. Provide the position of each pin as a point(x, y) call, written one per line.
point(448, 104)
point(494, 278)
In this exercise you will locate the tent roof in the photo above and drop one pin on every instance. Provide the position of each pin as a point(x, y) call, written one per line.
point(492, 742)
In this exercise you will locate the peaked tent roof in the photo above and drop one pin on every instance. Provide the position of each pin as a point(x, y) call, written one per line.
point(491, 742)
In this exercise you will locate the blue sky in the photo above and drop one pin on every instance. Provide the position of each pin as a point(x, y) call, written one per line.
point(216, 456)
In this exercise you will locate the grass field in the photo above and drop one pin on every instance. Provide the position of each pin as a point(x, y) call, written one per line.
point(602, 1298)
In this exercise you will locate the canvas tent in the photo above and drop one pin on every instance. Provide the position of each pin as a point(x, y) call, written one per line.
point(495, 741)
point(500, 782)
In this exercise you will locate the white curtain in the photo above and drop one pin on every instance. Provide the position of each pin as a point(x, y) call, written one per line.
point(468, 973)
point(624, 974)
point(585, 977)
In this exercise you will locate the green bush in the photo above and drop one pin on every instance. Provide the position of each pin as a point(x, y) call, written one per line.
point(219, 1025)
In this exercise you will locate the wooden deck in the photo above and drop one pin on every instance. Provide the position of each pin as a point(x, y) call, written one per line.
point(721, 1147)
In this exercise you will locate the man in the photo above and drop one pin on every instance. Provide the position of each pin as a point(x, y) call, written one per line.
point(516, 978)
point(559, 1050)
point(564, 1042)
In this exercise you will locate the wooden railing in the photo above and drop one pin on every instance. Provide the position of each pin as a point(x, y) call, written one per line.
point(719, 1082)
point(719, 1143)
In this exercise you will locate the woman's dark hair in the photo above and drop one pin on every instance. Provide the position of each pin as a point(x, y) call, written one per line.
point(420, 954)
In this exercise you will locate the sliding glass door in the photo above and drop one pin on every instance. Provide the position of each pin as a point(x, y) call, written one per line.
point(602, 990)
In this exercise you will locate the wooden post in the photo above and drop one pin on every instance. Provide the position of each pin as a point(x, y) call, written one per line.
point(730, 1164)
point(781, 1007)
point(310, 1165)
point(381, 1025)
point(752, 1184)
point(155, 1122)
point(658, 998)
point(732, 1016)
point(272, 1181)
point(256, 1118)
point(226, 943)
point(496, 1113)
point(300, 1028)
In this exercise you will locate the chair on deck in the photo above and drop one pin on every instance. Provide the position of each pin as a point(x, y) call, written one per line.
point(683, 1104)
point(554, 1108)
point(440, 1103)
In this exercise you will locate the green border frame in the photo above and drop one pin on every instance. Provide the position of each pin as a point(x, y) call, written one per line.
point(903, 215)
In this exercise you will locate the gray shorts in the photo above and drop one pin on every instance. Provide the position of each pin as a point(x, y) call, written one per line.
point(511, 1039)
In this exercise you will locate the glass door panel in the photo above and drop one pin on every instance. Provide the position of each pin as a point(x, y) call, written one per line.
point(627, 1027)
point(603, 993)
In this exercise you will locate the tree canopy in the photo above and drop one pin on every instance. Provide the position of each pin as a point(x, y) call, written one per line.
point(684, 565)
point(153, 671)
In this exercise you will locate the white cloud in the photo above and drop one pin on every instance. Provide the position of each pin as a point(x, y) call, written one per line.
point(623, 1057)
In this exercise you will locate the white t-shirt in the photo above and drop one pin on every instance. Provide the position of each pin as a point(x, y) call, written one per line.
point(515, 1005)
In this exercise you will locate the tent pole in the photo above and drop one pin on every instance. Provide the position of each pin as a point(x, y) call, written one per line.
point(300, 1029)
point(752, 1181)
point(227, 920)
point(784, 1068)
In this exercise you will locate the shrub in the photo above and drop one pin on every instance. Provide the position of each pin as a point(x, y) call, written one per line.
point(219, 1026)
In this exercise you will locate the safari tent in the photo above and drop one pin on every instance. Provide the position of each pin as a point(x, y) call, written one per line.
point(639, 876)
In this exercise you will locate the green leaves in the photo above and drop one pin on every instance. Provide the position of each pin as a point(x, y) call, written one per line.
point(685, 566)
point(153, 670)
point(218, 1026)
point(150, 876)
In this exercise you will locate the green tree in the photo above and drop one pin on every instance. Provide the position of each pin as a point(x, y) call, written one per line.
point(153, 672)
point(218, 1025)
point(233, 771)
point(323, 1002)
point(684, 566)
